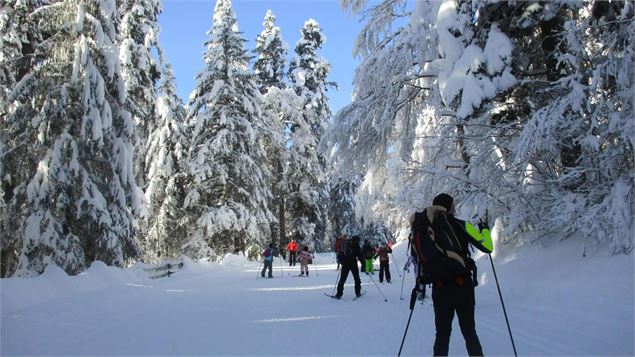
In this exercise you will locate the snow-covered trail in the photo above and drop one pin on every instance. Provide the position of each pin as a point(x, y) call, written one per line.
point(227, 310)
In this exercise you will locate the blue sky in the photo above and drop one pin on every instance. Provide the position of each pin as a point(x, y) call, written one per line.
point(184, 24)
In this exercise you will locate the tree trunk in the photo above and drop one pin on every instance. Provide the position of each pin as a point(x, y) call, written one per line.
point(461, 143)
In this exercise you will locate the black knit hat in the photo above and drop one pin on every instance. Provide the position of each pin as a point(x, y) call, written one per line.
point(444, 200)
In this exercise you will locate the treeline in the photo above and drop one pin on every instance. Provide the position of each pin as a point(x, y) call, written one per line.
point(521, 110)
point(100, 159)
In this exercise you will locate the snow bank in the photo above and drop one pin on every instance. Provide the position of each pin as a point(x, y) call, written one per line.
point(234, 260)
point(54, 283)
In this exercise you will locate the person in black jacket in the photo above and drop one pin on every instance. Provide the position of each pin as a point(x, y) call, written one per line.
point(454, 293)
point(351, 253)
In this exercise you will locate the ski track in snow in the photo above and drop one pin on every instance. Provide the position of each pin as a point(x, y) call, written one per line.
point(229, 310)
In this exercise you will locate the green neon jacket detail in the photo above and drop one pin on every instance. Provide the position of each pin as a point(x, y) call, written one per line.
point(483, 237)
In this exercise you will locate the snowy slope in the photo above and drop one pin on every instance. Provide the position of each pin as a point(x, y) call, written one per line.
point(558, 302)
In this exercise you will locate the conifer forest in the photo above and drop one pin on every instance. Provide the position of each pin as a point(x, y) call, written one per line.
point(522, 110)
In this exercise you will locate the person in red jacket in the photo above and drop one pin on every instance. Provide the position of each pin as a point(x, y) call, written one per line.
point(292, 247)
point(384, 262)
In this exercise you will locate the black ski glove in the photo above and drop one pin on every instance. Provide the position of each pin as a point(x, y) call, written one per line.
point(482, 225)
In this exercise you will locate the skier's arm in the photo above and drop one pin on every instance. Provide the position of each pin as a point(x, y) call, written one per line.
point(480, 237)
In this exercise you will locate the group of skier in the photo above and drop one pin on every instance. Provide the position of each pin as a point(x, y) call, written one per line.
point(440, 249)
point(302, 256)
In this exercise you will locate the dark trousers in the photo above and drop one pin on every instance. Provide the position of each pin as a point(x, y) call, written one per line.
point(291, 258)
point(346, 268)
point(268, 265)
point(384, 266)
point(447, 300)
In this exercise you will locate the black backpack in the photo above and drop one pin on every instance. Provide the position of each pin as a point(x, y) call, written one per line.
point(435, 246)
point(347, 247)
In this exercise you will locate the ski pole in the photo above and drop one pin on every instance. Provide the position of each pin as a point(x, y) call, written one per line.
point(281, 266)
point(315, 266)
point(336, 281)
point(402, 281)
point(413, 299)
point(396, 264)
point(373, 280)
point(503, 304)
point(406, 267)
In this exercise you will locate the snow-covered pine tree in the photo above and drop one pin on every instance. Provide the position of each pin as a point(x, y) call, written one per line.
point(19, 41)
point(342, 208)
point(271, 51)
point(272, 55)
point(309, 194)
point(576, 146)
point(308, 73)
point(167, 174)
point(554, 166)
point(80, 194)
point(230, 193)
point(141, 72)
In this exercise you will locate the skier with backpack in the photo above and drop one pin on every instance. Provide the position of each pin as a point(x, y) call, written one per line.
point(439, 244)
point(351, 254)
point(268, 255)
point(384, 262)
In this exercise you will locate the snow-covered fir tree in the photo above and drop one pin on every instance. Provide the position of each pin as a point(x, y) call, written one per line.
point(167, 173)
point(309, 194)
point(141, 72)
point(80, 196)
point(342, 208)
point(230, 191)
point(272, 53)
point(279, 106)
point(19, 41)
point(575, 150)
point(514, 108)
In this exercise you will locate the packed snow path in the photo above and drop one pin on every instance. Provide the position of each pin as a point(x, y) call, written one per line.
point(558, 304)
